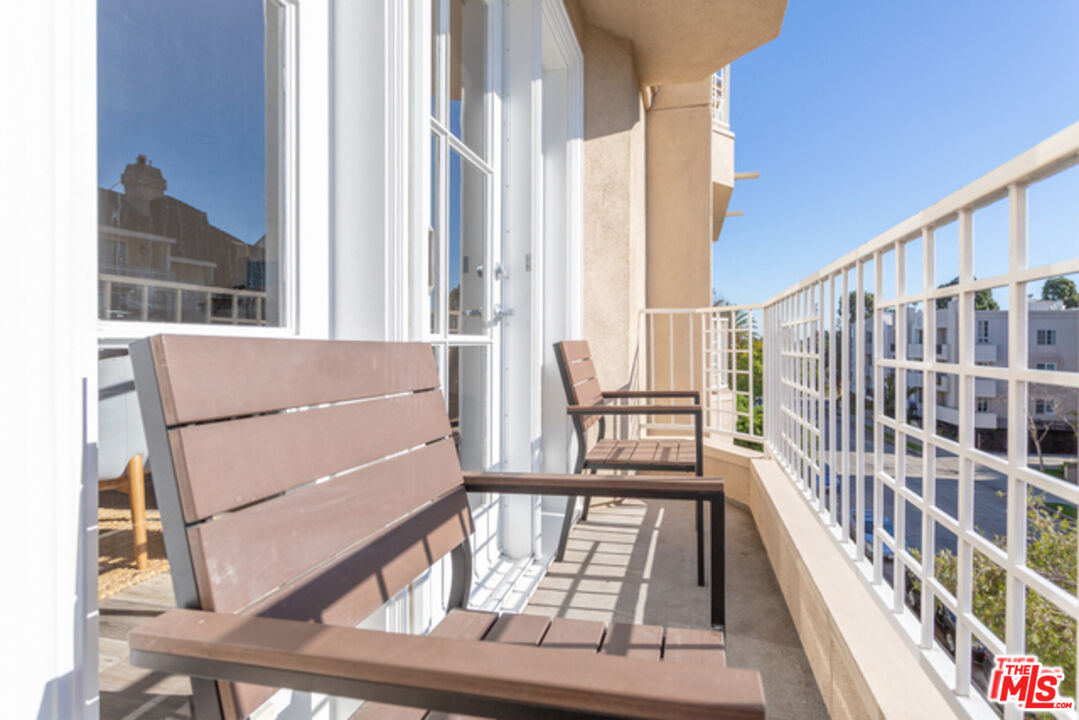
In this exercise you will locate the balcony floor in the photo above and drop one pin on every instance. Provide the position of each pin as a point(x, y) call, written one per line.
point(631, 561)
point(635, 561)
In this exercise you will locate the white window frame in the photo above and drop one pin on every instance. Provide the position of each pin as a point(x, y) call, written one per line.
point(1045, 366)
point(981, 405)
point(304, 189)
point(983, 332)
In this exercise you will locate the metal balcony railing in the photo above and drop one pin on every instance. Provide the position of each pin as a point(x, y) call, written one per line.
point(721, 99)
point(715, 350)
point(933, 498)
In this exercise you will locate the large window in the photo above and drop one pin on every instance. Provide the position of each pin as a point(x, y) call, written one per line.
point(462, 264)
point(192, 161)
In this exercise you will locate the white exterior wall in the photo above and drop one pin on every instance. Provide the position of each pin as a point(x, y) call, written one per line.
point(48, 387)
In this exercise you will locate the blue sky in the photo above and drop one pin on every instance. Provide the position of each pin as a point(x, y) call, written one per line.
point(182, 82)
point(861, 114)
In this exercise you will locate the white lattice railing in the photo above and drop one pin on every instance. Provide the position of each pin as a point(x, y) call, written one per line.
point(942, 430)
point(714, 350)
point(721, 99)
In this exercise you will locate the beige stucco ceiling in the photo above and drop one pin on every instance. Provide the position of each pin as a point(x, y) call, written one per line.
point(684, 40)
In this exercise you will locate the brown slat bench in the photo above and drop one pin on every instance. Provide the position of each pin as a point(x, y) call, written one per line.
point(588, 404)
point(302, 484)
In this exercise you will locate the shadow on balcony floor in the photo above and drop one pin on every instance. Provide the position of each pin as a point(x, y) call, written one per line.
point(635, 561)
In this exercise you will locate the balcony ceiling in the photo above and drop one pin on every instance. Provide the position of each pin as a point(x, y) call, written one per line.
point(684, 40)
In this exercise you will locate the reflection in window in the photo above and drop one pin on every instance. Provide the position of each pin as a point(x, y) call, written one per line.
point(189, 98)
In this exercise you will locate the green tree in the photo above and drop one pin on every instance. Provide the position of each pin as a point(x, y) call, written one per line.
point(1051, 541)
point(853, 300)
point(1062, 289)
point(983, 299)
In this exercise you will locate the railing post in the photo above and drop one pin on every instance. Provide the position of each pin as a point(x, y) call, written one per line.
point(144, 312)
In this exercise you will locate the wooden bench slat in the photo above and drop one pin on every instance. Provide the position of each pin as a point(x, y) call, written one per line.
point(581, 372)
point(574, 635)
point(644, 453)
point(443, 672)
point(518, 629)
point(464, 624)
point(588, 393)
point(209, 378)
point(349, 589)
point(689, 645)
point(295, 448)
point(243, 555)
point(636, 641)
point(574, 350)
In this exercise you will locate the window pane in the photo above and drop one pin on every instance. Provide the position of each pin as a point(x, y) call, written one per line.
point(189, 168)
point(468, 77)
point(466, 395)
point(466, 299)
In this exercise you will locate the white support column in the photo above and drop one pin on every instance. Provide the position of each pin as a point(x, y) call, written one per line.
point(522, 257)
point(48, 387)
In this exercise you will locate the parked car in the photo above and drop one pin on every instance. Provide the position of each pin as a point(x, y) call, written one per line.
point(886, 552)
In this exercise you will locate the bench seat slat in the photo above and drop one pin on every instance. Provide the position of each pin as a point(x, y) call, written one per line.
point(644, 642)
point(463, 624)
point(295, 448)
point(209, 378)
point(573, 635)
point(243, 555)
point(691, 645)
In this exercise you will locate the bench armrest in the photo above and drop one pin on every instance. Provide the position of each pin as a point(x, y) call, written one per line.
point(636, 486)
point(633, 409)
point(446, 674)
point(632, 394)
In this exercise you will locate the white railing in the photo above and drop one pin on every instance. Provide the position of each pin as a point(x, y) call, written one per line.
point(936, 511)
point(721, 99)
point(714, 350)
point(921, 455)
point(147, 299)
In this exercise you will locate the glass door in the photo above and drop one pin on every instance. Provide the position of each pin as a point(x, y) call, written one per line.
point(462, 283)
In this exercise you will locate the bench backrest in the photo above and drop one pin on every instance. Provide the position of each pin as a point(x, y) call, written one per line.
point(579, 378)
point(298, 479)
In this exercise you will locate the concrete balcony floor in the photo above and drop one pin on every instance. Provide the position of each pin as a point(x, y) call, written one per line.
point(635, 561)
point(631, 561)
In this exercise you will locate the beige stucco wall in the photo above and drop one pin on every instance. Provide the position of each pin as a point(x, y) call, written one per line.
point(679, 133)
point(614, 205)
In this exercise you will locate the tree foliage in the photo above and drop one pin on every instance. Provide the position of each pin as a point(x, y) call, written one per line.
point(983, 299)
point(1050, 632)
point(853, 300)
point(1062, 289)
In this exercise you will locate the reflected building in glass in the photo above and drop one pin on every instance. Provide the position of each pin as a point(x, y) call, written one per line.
point(188, 269)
